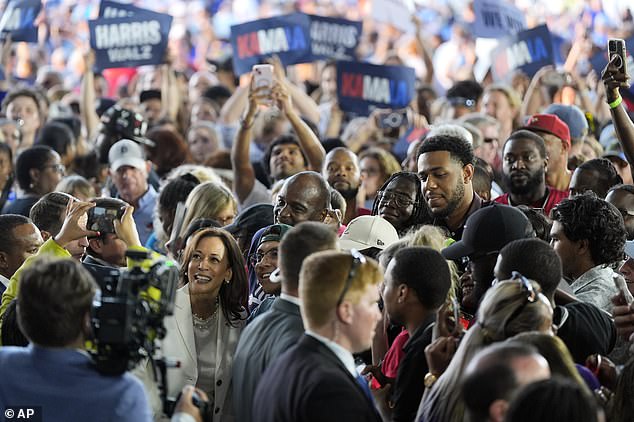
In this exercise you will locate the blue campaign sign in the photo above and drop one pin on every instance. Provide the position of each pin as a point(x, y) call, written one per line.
point(286, 36)
point(600, 60)
point(18, 20)
point(362, 86)
point(497, 19)
point(130, 41)
point(528, 51)
point(333, 38)
point(114, 9)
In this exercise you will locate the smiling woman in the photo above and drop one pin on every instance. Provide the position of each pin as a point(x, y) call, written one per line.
point(209, 314)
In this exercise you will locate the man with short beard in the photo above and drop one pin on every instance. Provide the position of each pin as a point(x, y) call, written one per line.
point(524, 163)
point(341, 170)
point(445, 169)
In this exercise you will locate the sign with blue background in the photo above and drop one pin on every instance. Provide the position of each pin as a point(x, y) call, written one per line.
point(287, 36)
point(497, 19)
point(18, 19)
point(362, 86)
point(333, 38)
point(527, 50)
point(131, 41)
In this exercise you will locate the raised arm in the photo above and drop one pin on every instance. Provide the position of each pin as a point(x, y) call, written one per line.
point(429, 64)
point(87, 97)
point(613, 80)
point(235, 105)
point(306, 106)
point(308, 141)
point(243, 172)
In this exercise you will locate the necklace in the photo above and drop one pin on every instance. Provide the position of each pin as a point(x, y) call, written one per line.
point(204, 323)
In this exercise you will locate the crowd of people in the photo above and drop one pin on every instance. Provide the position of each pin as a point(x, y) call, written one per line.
point(473, 264)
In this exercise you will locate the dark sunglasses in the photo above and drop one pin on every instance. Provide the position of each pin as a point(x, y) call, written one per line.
point(357, 260)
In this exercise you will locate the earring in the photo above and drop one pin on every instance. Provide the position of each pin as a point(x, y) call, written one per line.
point(227, 281)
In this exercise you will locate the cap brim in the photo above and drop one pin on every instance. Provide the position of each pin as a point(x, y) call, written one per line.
point(457, 250)
point(539, 129)
point(629, 248)
point(132, 162)
point(347, 244)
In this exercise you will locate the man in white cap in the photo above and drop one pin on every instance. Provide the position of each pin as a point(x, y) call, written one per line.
point(129, 171)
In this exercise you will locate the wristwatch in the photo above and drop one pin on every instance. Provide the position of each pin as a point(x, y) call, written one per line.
point(430, 379)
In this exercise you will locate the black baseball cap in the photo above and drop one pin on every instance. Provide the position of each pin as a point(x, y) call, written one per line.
point(252, 219)
point(490, 229)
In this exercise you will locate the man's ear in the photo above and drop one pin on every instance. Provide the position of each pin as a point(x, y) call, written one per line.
point(583, 246)
point(345, 312)
point(148, 167)
point(34, 175)
point(467, 173)
point(45, 235)
point(95, 244)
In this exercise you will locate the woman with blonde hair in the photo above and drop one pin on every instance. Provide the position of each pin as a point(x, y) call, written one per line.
point(210, 200)
point(508, 308)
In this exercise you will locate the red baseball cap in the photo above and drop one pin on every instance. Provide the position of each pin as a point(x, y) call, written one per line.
point(549, 123)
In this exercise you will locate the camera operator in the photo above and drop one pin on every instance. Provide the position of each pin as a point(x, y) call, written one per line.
point(106, 249)
point(54, 371)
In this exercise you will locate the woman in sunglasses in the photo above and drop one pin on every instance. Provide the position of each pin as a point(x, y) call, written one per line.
point(400, 201)
point(508, 308)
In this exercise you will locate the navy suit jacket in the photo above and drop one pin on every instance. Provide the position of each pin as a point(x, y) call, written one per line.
point(310, 383)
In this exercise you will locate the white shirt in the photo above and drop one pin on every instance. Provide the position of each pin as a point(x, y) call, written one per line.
point(343, 354)
point(4, 281)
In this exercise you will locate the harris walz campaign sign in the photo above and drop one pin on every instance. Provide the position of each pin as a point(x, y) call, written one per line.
point(114, 9)
point(18, 20)
point(137, 40)
point(497, 19)
point(362, 86)
point(286, 36)
point(528, 51)
point(333, 38)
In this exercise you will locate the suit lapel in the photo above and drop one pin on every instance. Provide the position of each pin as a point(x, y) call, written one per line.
point(184, 322)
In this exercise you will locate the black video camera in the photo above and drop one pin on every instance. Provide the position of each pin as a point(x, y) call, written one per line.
point(128, 312)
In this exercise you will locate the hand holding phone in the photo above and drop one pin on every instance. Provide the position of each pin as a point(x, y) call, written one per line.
point(617, 55)
point(263, 78)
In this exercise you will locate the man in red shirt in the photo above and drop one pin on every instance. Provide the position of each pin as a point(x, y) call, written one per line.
point(524, 163)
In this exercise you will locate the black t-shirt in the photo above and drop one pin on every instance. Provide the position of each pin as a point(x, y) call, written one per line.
point(21, 206)
point(585, 329)
point(409, 385)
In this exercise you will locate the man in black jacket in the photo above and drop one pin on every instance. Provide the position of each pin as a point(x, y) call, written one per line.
point(316, 380)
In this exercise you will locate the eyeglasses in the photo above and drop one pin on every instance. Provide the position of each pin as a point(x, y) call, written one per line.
point(399, 199)
point(531, 297)
point(59, 168)
point(256, 258)
point(489, 140)
point(357, 260)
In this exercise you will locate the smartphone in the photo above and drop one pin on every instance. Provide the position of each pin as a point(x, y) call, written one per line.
point(621, 285)
point(392, 119)
point(263, 76)
point(616, 47)
point(102, 219)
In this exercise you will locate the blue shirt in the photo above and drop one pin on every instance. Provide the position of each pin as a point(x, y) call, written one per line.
point(143, 215)
point(67, 387)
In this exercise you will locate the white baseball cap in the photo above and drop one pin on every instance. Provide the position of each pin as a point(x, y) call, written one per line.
point(126, 153)
point(368, 231)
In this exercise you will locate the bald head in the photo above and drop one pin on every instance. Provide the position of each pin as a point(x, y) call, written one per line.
point(305, 196)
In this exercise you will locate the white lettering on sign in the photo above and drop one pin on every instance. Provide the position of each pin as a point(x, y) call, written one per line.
point(127, 34)
point(376, 89)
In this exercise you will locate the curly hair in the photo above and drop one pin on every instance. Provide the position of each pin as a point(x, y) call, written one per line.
point(588, 217)
point(459, 149)
point(421, 213)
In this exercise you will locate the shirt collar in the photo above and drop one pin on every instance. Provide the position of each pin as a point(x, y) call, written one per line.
point(148, 197)
point(344, 355)
point(293, 299)
point(4, 280)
